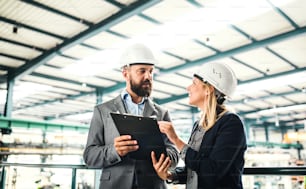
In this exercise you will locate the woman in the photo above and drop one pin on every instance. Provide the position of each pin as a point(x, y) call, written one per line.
point(214, 155)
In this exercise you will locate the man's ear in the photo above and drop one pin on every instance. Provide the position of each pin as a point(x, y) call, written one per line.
point(124, 73)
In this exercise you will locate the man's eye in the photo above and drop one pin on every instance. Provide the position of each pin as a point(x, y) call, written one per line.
point(141, 71)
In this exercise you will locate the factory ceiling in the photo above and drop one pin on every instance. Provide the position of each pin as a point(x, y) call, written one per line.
point(59, 58)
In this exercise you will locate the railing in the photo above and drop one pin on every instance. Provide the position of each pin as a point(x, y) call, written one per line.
point(66, 166)
point(275, 171)
point(288, 171)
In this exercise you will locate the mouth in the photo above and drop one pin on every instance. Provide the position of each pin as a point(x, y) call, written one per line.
point(146, 84)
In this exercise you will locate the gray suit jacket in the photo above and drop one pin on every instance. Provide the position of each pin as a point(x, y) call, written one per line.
point(118, 172)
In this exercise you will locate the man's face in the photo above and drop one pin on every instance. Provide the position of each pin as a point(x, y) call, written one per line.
point(140, 77)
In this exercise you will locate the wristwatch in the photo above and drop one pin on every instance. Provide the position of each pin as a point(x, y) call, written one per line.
point(184, 151)
point(174, 179)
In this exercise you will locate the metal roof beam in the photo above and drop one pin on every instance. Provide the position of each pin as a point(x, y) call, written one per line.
point(104, 25)
point(258, 110)
point(278, 38)
point(229, 53)
point(178, 97)
point(50, 9)
point(6, 122)
point(6, 68)
point(22, 44)
point(13, 57)
point(15, 23)
point(283, 14)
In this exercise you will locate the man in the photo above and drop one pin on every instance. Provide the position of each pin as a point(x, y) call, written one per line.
point(106, 149)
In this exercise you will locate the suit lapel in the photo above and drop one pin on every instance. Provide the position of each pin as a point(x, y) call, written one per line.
point(149, 109)
point(119, 106)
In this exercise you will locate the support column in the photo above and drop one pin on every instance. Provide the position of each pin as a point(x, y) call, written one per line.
point(99, 94)
point(2, 177)
point(247, 123)
point(9, 99)
point(300, 146)
point(266, 126)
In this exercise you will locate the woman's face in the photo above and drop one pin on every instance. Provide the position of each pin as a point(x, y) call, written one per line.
point(197, 93)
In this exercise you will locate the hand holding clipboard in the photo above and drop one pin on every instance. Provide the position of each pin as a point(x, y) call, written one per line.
point(143, 129)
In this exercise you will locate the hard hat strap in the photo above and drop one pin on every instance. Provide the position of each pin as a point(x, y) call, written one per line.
point(220, 97)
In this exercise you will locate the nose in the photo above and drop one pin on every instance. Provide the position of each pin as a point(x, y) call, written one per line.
point(148, 74)
point(188, 87)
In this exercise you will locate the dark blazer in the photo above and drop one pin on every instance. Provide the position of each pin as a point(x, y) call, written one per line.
point(220, 160)
point(118, 172)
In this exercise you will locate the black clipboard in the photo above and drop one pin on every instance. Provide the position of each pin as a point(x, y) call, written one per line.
point(143, 129)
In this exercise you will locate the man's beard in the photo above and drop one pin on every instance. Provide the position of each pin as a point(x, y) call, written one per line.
point(140, 90)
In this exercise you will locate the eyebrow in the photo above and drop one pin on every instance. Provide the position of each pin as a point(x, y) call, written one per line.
point(143, 68)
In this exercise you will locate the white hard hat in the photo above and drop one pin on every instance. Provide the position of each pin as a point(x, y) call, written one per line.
point(220, 76)
point(137, 54)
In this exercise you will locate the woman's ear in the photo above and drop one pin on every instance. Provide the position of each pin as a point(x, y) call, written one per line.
point(210, 89)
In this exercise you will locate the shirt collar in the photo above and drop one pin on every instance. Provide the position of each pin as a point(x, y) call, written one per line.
point(126, 96)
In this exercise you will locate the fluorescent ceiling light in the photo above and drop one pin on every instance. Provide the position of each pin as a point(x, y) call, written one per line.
point(202, 21)
point(215, 16)
point(282, 109)
point(266, 84)
point(101, 62)
point(25, 89)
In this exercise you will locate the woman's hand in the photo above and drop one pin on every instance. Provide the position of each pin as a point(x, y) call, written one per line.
point(166, 127)
point(161, 166)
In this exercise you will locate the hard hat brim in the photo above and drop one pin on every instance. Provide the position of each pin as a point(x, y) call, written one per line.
point(141, 63)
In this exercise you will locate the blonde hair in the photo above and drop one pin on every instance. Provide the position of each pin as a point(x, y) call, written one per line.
point(213, 110)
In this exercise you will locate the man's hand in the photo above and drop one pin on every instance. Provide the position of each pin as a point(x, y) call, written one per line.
point(124, 144)
point(161, 166)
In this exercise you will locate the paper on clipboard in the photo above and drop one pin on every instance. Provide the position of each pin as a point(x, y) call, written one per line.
point(143, 129)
